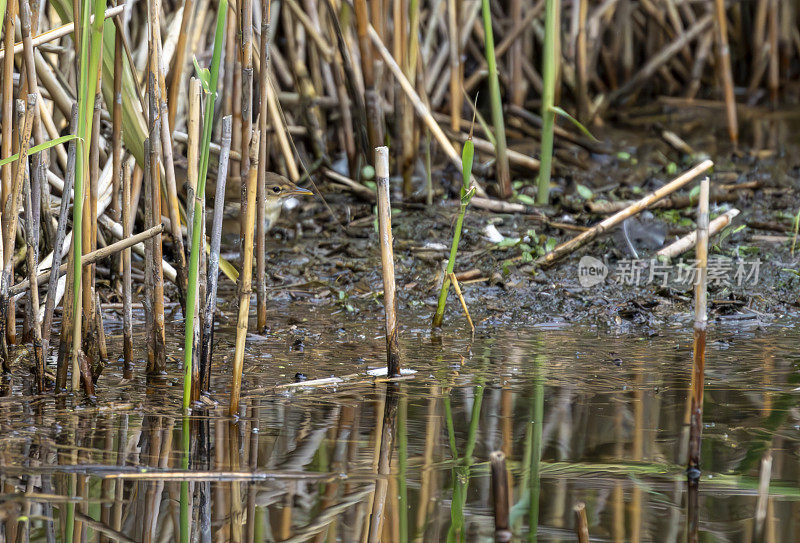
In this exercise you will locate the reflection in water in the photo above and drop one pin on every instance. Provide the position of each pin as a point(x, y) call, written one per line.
point(580, 416)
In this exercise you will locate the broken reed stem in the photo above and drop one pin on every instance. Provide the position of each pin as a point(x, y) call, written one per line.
point(568, 247)
point(461, 299)
point(581, 524)
point(724, 54)
point(213, 257)
point(127, 313)
point(387, 260)
point(501, 495)
point(501, 164)
point(688, 241)
point(700, 324)
point(245, 279)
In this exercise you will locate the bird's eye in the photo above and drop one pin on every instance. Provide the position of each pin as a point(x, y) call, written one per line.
point(276, 190)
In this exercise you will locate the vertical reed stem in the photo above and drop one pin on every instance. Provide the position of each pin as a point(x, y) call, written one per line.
point(7, 328)
point(725, 69)
point(127, 314)
point(213, 257)
point(191, 382)
point(245, 279)
point(10, 217)
point(387, 260)
point(501, 162)
point(58, 253)
point(549, 60)
point(700, 323)
point(261, 215)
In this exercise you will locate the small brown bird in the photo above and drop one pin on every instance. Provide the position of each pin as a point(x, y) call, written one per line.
point(278, 189)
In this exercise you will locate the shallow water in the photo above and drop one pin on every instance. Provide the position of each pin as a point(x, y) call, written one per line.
point(582, 414)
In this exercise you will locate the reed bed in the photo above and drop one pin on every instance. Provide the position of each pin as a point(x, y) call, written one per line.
point(323, 83)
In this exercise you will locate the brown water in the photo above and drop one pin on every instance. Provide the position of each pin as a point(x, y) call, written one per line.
point(583, 415)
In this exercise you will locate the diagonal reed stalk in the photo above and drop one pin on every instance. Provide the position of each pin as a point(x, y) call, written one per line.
point(209, 79)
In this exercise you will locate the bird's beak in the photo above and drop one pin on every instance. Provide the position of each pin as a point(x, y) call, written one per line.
point(299, 191)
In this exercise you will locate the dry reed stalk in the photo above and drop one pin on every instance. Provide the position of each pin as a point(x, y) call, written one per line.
point(280, 133)
point(173, 204)
point(157, 353)
point(58, 243)
point(179, 61)
point(724, 56)
point(57, 33)
point(127, 314)
point(773, 82)
point(387, 260)
point(6, 150)
point(519, 85)
point(700, 324)
point(457, 287)
point(116, 126)
point(581, 525)
point(371, 98)
point(689, 240)
point(33, 293)
point(152, 367)
point(455, 62)
point(419, 105)
point(9, 222)
point(193, 158)
point(261, 258)
point(568, 247)
point(581, 64)
point(90, 345)
point(91, 258)
point(501, 493)
point(245, 280)
point(246, 105)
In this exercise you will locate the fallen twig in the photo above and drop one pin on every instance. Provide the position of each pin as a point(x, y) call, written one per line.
point(580, 240)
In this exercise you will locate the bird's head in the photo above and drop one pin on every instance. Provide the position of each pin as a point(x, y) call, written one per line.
point(278, 188)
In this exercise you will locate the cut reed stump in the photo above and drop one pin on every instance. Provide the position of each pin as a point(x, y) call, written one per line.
point(581, 525)
point(700, 323)
point(387, 260)
point(501, 494)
